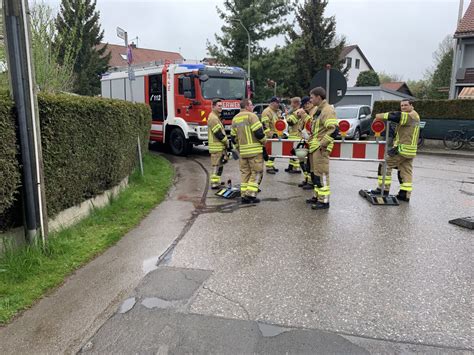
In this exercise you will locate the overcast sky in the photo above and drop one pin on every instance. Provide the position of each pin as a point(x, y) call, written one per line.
point(396, 36)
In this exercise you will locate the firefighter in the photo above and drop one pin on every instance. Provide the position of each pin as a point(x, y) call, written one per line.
point(293, 132)
point(321, 142)
point(248, 136)
point(306, 114)
point(269, 117)
point(217, 143)
point(404, 149)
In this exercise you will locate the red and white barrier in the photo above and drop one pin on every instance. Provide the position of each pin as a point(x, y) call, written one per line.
point(342, 150)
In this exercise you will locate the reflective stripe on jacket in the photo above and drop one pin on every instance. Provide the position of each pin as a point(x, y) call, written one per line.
point(214, 125)
point(323, 127)
point(244, 125)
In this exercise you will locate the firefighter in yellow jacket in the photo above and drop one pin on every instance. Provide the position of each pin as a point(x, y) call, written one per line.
point(249, 138)
point(404, 149)
point(269, 117)
point(217, 143)
point(306, 114)
point(293, 132)
point(321, 142)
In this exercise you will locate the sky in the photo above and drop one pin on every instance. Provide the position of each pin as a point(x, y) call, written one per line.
point(397, 36)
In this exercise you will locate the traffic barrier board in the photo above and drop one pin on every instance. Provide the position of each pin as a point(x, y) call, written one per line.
point(347, 150)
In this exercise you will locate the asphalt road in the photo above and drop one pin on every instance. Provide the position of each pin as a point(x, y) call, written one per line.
point(278, 277)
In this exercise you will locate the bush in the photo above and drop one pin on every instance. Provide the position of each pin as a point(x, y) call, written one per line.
point(434, 109)
point(89, 146)
point(9, 167)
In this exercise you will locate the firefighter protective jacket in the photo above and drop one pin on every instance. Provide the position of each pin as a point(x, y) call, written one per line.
point(323, 128)
point(408, 130)
point(269, 117)
point(244, 126)
point(293, 125)
point(214, 124)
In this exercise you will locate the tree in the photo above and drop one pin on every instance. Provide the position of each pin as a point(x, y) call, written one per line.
point(388, 78)
point(440, 78)
point(79, 36)
point(368, 78)
point(49, 73)
point(316, 42)
point(419, 88)
point(262, 19)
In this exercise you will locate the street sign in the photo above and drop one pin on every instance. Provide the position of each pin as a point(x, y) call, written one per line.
point(131, 74)
point(337, 84)
point(121, 33)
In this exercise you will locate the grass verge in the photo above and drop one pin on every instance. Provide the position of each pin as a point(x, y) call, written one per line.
point(27, 274)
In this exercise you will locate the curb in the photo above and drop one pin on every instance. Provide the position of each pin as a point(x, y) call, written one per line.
point(447, 154)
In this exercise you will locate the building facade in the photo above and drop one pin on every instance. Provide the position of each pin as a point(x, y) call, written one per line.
point(462, 74)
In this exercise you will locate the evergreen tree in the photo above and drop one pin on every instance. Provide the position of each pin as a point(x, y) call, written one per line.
point(79, 35)
point(368, 78)
point(262, 18)
point(317, 43)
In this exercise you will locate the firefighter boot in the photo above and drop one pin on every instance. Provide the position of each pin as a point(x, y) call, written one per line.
point(253, 199)
point(312, 200)
point(244, 200)
point(402, 196)
point(320, 206)
point(289, 169)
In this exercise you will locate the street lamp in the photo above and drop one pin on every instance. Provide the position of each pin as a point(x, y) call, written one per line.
point(248, 36)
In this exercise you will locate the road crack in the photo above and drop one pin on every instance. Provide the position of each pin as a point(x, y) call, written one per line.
point(228, 299)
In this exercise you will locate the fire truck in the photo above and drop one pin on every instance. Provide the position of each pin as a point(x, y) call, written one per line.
point(180, 97)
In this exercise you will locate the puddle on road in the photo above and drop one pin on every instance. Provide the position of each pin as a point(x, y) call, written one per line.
point(155, 302)
point(127, 305)
point(271, 330)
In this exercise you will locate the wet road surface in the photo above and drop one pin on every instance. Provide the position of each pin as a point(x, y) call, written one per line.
point(389, 279)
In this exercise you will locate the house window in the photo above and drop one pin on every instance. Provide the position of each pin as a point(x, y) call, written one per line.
point(349, 62)
point(357, 63)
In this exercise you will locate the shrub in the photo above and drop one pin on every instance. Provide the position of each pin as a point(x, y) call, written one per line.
point(441, 109)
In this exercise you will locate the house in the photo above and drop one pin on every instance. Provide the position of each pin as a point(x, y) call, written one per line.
point(367, 95)
point(399, 86)
point(118, 56)
point(462, 74)
point(356, 61)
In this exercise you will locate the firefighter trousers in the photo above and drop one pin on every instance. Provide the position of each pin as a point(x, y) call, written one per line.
point(404, 166)
point(251, 170)
point(217, 164)
point(320, 174)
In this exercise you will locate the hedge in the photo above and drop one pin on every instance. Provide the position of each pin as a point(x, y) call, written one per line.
point(89, 145)
point(9, 166)
point(434, 109)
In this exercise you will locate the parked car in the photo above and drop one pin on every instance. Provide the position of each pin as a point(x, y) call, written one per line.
point(359, 117)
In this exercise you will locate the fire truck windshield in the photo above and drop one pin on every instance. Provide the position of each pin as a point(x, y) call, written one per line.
point(223, 88)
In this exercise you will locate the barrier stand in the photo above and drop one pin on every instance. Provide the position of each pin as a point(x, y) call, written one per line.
point(347, 150)
point(379, 199)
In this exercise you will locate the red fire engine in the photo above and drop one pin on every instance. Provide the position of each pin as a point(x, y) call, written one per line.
point(180, 97)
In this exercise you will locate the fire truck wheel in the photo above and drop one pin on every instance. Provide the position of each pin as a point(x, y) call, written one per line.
point(178, 143)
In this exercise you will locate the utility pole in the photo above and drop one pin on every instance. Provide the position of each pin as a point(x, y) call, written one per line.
point(23, 90)
point(456, 49)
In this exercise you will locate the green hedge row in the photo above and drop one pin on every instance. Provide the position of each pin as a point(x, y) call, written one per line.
point(435, 109)
point(9, 166)
point(89, 146)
